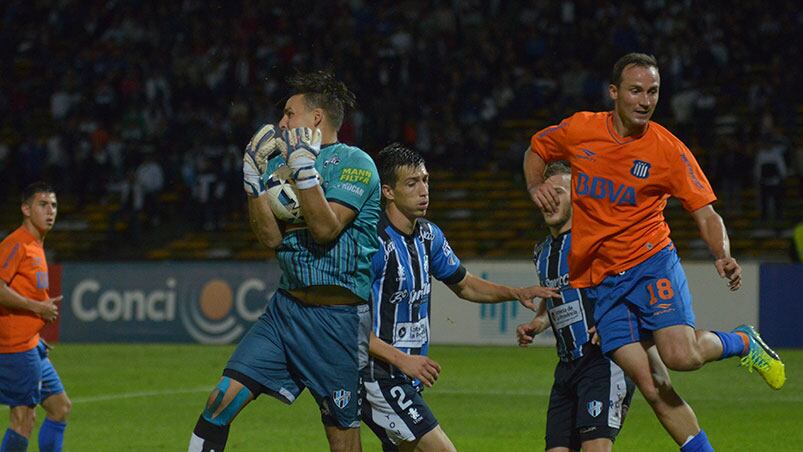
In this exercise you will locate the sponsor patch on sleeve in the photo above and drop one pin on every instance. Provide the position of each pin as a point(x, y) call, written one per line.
point(349, 187)
point(359, 175)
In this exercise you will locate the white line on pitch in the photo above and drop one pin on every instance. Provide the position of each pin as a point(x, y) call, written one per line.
point(538, 393)
point(134, 395)
point(435, 391)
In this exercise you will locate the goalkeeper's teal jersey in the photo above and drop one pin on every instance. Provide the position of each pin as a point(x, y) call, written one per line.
point(349, 178)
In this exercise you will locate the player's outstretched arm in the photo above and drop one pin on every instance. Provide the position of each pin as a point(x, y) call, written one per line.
point(527, 295)
point(526, 332)
point(47, 309)
point(713, 232)
point(543, 194)
point(478, 290)
point(414, 366)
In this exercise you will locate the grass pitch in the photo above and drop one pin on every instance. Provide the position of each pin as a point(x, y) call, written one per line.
point(147, 397)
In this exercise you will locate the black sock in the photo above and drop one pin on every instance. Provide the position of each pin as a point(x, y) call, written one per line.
point(213, 436)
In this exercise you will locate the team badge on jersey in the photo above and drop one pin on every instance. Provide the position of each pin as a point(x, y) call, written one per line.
point(341, 397)
point(594, 408)
point(641, 169)
point(333, 160)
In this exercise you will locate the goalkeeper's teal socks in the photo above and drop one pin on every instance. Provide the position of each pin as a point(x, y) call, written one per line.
point(51, 435)
point(13, 442)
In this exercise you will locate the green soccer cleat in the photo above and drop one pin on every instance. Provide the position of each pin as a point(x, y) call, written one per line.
point(762, 358)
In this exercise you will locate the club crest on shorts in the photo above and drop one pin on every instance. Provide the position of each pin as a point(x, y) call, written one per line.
point(341, 397)
point(414, 415)
point(594, 408)
point(641, 169)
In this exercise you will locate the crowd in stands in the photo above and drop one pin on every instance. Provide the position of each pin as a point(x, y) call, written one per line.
point(124, 100)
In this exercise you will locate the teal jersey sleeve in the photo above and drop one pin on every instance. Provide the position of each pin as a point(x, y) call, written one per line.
point(350, 181)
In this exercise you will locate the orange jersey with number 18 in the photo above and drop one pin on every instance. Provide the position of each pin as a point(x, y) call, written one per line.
point(24, 268)
point(619, 190)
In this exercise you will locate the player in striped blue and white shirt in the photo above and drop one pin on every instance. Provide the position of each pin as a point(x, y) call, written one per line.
point(591, 394)
point(412, 250)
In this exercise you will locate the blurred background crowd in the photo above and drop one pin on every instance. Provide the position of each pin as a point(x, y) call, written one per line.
point(126, 102)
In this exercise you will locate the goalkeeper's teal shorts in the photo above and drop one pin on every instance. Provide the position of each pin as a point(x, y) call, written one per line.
point(292, 346)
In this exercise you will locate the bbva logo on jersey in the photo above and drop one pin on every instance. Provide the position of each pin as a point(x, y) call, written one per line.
point(599, 187)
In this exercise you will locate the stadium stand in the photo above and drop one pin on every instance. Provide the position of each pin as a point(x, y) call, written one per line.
point(102, 86)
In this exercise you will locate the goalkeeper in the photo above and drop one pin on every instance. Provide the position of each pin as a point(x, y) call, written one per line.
point(314, 332)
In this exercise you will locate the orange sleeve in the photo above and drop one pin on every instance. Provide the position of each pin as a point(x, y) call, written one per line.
point(11, 255)
point(552, 142)
point(690, 186)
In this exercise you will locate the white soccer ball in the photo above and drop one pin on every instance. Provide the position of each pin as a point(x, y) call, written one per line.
point(282, 198)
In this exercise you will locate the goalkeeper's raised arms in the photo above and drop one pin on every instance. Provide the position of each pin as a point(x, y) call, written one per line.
point(264, 145)
point(303, 147)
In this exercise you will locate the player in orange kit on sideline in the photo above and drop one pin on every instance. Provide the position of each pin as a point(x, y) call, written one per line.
point(624, 168)
point(27, 377)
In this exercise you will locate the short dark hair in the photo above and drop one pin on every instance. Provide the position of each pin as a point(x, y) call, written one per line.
point(322, 90)
point(393, 157)
point(37, 187)
point(639, 59)
point(557, 167)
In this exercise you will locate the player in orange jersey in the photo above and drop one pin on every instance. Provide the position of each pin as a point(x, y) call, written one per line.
point(624, 168)
point(27, 376)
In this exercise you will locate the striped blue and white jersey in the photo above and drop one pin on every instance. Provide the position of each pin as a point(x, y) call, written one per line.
point(402, 285)
point(572, 314)
point(349, 178)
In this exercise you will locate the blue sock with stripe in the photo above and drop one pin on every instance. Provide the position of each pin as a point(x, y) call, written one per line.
point(698, 443)
point(51, 435)
point(733, 344)
point(13, 442)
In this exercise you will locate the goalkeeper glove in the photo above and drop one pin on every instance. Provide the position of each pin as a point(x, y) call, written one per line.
point(252, 181)
point(264, 145)
point(303, 147)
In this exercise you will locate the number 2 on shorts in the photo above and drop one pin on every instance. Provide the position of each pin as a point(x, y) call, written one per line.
point(399, 392)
